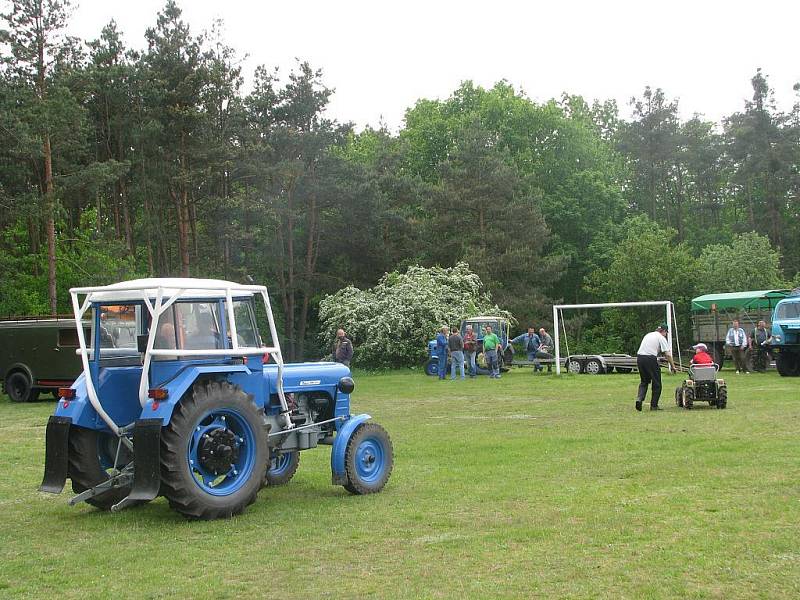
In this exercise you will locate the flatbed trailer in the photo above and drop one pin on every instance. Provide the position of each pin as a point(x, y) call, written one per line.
point(593, 364)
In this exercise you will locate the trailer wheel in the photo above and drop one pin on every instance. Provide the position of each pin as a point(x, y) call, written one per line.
point(574, 366)
point(20, 388)
point(593, 367)
point(368, 459)
point(282, 468)
point(91, 457)
point(214, 452)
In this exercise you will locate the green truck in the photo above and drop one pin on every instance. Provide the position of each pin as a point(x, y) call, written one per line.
point(713, 314)
point(38, 355)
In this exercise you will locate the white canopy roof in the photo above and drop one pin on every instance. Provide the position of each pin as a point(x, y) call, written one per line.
point(194, 288)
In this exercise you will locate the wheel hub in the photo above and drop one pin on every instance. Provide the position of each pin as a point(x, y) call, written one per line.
point(218, 451)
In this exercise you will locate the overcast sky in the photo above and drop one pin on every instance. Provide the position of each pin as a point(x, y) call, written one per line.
point(382, 56)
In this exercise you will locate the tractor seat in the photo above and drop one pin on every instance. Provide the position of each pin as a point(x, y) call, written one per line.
point(703, 372)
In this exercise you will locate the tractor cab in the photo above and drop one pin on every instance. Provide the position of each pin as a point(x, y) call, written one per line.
point(180, 396)
point(785, 339)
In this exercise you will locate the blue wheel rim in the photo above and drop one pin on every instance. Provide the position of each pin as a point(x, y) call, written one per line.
point(223, 484)
point(370, 460)
point(280, 464)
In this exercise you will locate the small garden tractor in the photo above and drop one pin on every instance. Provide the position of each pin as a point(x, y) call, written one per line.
point(196, 408)
point(702, 385)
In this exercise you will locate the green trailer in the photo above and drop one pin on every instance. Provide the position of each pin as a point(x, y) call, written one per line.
point(38, 355)
point(712, 315)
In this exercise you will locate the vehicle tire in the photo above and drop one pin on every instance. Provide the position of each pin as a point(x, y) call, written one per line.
point(594, 367)
point(19, 387)
point(787, 363)
point(722, 397)
point(91, 457)
point(688, 398)
point(609, 369)
point(368, 459)
point(623, 369)
point(758, 360)
point(432, 367)
point(574, 366)
point(282, 468)
point(214, 452)
point(679, 396)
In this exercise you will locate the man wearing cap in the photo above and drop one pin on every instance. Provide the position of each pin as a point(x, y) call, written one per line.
point(701, 355)
point(652, 345)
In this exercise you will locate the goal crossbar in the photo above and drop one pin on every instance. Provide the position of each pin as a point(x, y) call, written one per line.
point(557, 308)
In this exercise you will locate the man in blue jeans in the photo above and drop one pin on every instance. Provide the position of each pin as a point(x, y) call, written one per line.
point(456, 346)
point(530, 341)
point(441, 350)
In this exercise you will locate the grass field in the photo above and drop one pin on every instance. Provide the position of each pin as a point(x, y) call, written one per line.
point(531, 486)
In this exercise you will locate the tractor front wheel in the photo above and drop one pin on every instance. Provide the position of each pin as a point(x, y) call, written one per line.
point(282, 468)
point(91, 459)
point(368, 459)
point(688, 398)
point(214, 452)
point(432, 367)
point(679, 396)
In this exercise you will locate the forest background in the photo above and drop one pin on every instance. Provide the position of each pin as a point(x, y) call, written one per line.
point(121, 161)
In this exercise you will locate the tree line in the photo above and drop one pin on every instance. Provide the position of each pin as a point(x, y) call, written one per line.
point(119, 162)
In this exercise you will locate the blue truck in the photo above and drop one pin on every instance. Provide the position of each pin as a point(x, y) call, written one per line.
point(784, 343)
point(196, 407)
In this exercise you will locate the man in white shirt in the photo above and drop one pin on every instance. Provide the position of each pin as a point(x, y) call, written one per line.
point(653, 344)
point(736, 341)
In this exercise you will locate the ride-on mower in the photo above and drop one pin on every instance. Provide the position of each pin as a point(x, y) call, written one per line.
point(702, 385)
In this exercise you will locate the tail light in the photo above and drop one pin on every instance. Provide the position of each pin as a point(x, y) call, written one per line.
point(66, 393)
point(158, 394)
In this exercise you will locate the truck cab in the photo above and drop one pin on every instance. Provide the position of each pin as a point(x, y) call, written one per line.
point(785, 339)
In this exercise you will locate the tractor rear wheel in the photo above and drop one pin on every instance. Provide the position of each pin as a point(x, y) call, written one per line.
point(722, 397)
point(214, 452)
point(432, 367)
point(368, 459)
point(788, 364)
point(91, 458)
point(679, 396)
point(282, 468)
point(19, 387)
point(688, 398)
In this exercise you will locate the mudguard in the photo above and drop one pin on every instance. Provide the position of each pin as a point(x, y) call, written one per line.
point(146, 463)
point(338, 474)
point(56, 454)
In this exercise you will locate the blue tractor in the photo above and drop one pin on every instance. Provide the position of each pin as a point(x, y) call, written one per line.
point(500, 325)
point(784, 343)
point(196, 407)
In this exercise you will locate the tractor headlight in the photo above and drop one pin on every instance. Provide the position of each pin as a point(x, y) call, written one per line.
point(346, 385)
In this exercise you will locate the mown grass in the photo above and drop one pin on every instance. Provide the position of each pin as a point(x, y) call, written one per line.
point(531, 486)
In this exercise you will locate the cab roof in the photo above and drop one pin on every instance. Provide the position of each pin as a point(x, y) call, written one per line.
point(192, 288)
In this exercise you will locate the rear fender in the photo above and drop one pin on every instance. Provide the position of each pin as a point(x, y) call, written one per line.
point(185, 378)
point(338, 474)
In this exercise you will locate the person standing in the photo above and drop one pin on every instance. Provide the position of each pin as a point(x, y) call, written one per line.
point(470, 346)
point(342, 348)
point(652, 345)
point(758, 339)
point(441, 350)
point(546, 348)
point(491, 346)
point(455, 344)
point(530, 341)
point(736, 341)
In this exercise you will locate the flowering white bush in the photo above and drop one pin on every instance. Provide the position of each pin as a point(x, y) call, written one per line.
point(390, 324)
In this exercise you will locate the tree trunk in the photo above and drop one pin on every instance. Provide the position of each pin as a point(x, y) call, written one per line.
point(50, 224)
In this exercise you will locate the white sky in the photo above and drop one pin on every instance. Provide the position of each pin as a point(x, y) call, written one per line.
point(382, 56)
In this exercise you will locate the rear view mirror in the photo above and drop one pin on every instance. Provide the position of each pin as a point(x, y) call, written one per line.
point(141, 343)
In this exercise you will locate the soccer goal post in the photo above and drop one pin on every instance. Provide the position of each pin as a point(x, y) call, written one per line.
point(669, 314)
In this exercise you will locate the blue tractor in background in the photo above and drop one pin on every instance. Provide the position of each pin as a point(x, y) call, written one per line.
point(784, 343)
point(500, 325)
point(196, 407)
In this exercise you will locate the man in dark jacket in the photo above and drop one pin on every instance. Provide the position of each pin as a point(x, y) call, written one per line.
point(342, 349)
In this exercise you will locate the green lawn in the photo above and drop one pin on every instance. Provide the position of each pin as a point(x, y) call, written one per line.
point(527, 486)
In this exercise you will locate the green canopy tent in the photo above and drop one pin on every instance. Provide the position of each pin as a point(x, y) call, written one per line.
point(761, 299)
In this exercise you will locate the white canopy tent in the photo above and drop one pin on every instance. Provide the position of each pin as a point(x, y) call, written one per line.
point(669, 315)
